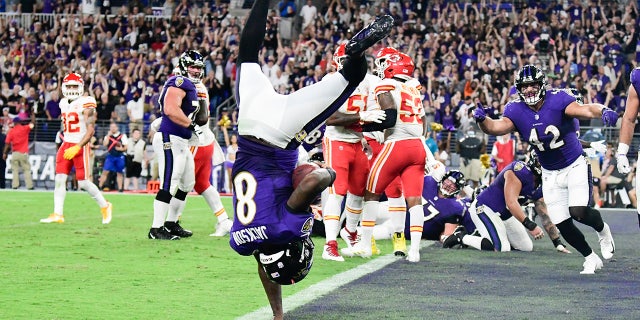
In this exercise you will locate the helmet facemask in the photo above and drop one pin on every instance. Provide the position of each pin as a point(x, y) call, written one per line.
point(72, 86)
point(288, 263)
point(531, 76)
point(191, 65)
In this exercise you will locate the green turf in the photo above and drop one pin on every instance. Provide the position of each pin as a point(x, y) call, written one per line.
point(85, 270)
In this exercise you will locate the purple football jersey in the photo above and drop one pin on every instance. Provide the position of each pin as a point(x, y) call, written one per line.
point(437, 211)
point(549, 130)
point(635, 79)
point(314, 139)
point(493, 196)
point(188, 105)
point(262, 186)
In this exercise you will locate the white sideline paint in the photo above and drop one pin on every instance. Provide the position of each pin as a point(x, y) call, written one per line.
point(325, 286)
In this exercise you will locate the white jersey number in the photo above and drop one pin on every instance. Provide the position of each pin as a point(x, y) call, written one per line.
point(555, 142)
point(245, 187)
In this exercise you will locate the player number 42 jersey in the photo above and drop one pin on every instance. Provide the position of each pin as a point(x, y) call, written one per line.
point(74, 124)
point(408, 100)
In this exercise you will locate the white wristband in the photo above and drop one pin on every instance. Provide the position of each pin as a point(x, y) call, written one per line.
point(623, 148)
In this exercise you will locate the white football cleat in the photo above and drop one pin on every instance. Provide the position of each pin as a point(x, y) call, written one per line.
point(350, 238)
point(591, 263)
point(53, 218)
point(330, 251)
point(106, 213)
point(607, 246)
point(358, 249)
point(222, 228)
point(413, 255)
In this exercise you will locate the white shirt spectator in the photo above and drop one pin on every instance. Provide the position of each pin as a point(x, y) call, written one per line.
point(135, 109)
point(271, 70)
point(308, 13)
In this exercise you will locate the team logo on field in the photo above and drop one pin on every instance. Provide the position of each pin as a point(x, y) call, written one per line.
point(307, 226)
point(166, 145)
point(179, 81)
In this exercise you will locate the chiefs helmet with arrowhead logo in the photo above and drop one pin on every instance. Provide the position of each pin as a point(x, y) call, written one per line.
point(339, 56)
point(381, 60)
point(394, 65)
point(72, 86)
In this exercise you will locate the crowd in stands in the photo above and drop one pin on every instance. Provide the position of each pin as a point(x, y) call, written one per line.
point(466, 52)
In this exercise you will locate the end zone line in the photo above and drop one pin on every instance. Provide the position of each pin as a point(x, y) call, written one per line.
point(325, 286)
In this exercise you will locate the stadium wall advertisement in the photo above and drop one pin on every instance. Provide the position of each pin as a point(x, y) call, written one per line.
point(42, 157)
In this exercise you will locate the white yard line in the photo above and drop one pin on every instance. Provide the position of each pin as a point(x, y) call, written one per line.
point(325, 286)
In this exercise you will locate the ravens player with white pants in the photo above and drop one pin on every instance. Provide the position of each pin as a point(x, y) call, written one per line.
point(272, 221)
point(179, 102)
point(544, 118)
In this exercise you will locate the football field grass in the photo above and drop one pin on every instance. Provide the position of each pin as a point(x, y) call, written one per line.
point(85, 270)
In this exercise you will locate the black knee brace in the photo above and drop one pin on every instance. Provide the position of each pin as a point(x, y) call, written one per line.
point(181, 195)
point(574, 237)
point(588, 216)
point(163, 196)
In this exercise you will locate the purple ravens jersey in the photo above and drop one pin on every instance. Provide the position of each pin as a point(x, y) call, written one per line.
point(189, 105)
point(261, 177)
point(635, 79)
point(437, 211)
point(549, 130)
point(314, 139)
point(493, 196)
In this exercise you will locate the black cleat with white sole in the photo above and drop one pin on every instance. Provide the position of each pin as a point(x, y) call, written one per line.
point(369, 35)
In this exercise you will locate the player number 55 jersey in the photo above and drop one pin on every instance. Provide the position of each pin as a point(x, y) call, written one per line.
point(408, 100)
point(74, 124)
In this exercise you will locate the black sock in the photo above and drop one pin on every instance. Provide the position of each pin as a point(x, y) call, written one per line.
point(591, 217)
point(574, 237)
point(354, 69)
point(253, 33)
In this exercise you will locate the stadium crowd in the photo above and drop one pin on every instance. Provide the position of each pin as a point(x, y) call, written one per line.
point(465, 53)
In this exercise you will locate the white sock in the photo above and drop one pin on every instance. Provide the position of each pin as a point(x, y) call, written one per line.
point(472, 241)
point(93, 191)
point(353, 211)
point(369, 215)
point(159, 213)
point(416, 220)
point(59, 193)
point(212, 198)
point(176, 206)
point(398, 213)
point(331, 216)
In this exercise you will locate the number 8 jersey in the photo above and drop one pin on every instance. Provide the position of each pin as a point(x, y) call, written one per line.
point(74, 124)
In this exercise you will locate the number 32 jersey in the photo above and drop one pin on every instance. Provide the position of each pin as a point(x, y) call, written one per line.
point(74, 123)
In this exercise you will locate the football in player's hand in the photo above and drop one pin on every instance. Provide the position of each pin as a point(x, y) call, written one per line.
point(202, 116)
point(302, 171)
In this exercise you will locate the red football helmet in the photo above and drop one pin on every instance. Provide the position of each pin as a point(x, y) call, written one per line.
point(339, 56)
point(397, 65)
point(381, 59)
point(72, 86)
